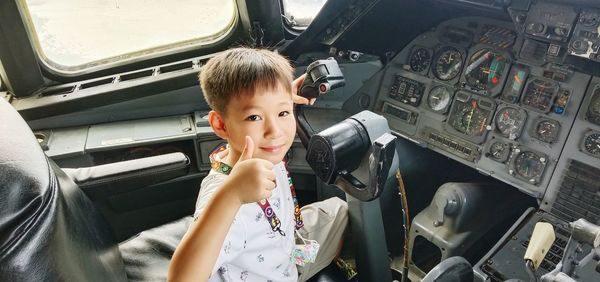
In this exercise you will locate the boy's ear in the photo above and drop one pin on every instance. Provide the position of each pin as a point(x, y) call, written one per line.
point(218, 124)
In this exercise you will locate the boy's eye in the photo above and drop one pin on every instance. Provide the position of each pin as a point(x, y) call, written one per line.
point(253, 118)
point(284, 114)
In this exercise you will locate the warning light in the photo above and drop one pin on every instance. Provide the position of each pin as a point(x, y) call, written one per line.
point(495, 80)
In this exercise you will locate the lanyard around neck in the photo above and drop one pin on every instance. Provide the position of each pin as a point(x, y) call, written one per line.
point(219, 166)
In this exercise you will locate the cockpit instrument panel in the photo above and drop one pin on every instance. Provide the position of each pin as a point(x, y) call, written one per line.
point(492, 97)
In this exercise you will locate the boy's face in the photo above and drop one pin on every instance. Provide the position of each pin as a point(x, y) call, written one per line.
point(267, 117)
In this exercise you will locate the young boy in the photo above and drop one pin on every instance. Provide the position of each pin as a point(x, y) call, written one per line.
point(252, 99)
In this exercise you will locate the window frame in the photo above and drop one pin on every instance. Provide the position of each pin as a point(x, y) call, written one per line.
point(113, 62)
point(26, 72)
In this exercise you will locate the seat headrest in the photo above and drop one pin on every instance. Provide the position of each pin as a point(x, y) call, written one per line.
point(24, 172)
point(49, 229)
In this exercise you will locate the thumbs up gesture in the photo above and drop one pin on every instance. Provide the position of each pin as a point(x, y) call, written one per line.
point(251, 179)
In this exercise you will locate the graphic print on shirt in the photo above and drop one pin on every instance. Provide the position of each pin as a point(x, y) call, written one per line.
point(227, 247)
point(244, 275)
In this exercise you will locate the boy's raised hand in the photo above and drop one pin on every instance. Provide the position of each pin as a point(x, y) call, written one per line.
point(295, 88)
point(251, 179)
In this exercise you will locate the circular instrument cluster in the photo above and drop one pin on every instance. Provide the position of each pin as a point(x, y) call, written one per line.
point(470, 119)
point(539, 94)
point(420, 59)
point(528, 165)
point(509, 121)
point(591, 144)
point(593, 112)
point(485, 71)
point(439, 98)
point(545, 130)
point(447, 63)
point(470, 116)
point(499, 151)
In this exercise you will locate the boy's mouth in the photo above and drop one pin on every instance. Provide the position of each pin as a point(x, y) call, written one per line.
point(272, 149)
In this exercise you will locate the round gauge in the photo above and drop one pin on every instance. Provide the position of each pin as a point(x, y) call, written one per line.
point(499, 151)
point(439, 98)
point(529, 165)
point(447, 63)
point(509, 122)
point(591, 143)
point(471, 119)
point(419, 59)
point(485, 70)
point(539, 94)
point(546, 130)
point(595, 104)
point(593, 113)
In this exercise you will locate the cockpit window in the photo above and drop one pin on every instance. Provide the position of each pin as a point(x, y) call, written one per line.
point(299, 13)
point(75, 36)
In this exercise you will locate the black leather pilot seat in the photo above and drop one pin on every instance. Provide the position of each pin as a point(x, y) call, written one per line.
point(49, 228)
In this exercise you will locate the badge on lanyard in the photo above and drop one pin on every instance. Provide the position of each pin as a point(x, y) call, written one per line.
point(306, 251)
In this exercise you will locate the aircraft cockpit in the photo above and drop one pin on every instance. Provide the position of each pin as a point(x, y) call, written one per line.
point(493, 107)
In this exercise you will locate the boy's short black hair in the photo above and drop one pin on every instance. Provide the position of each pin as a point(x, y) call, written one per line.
point(241, 71)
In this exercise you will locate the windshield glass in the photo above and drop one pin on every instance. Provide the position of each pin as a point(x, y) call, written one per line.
point(299, 13)
point(73, 35)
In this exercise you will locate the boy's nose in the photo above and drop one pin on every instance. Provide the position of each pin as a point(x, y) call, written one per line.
point(272, 129)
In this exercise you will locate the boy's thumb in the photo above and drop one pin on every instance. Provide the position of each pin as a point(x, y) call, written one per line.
point(248, 149)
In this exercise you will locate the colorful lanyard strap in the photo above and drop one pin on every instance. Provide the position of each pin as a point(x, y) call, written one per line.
point(272, 218)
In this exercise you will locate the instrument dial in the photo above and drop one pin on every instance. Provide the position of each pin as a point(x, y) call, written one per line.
point(470, 119)
point(593, 113)
point(514, 85)
point(419, 59)
point(485, 70)
point(470, 116)
point(539, 95)
point(439, 98)
point(447, 64)
point(546, 130)
point(591, 143)
point(529, 166)
point(509, 121)
point(499, 151)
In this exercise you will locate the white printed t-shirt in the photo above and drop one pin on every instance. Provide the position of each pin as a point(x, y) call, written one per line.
point(251, 251)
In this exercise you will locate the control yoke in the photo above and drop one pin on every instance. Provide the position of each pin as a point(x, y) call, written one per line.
point(321, 77)
point(357, 155)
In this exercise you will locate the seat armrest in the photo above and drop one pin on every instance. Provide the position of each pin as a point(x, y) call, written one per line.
point(115, 178)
